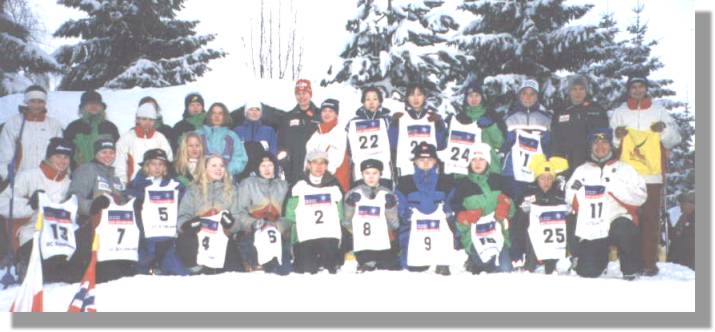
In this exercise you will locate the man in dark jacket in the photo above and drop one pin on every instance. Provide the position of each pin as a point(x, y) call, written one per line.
point(573, 121)
point(682, 235)
point(86, 130)
point(295, 129)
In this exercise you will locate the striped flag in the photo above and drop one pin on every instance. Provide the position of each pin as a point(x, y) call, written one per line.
point(83, 300)
point(29, 298)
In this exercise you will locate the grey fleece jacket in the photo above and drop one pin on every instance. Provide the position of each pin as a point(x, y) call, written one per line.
point(363, 191)
point(194, 203)
point(255, 193)
point(92, 180)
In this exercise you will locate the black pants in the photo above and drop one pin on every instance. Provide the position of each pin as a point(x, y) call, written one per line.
point(593, 254)
point(311, 255)
point(115, 269)
point(54, 269)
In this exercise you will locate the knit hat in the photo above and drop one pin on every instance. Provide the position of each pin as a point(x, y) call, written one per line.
point(157, 154)
point(529, 83)
point(303, 86)
point(34, 92)
point(255, 167)
point(575, 80)
point(147, 110)
point(481, 150)
point(193, 97)
point(91, 97)
point(636, 79)
point(424, 150)
point(317, 154)
point(540, 165)
point(600, 134)
point(252, 103)
point(371, 163)
point(59, 145)
point(331, 103)
point(104, 143)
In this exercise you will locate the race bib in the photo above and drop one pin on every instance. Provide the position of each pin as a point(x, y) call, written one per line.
point(487, 238)
point(547, 231)
point(212, 242)
point(368, 140)
point(370, 226)
point(430, 241)
point(459, 147)
point(268, 245)
point(160, 210)
point(317, 214)
point(592, 222)
point(118, 233)
point(526, 145)
point(412, 133)
point(58, 227)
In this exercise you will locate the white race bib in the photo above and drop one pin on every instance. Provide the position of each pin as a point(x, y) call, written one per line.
point(592, 222)
point(431, 240)
point(212, 242)
point(487, 238)
point(268, 245)
point(411, 133)
point(118, 233)
point(317, 214)
point(547, 231)
point(58, 227)
point(459, 146)
point(525, 146)
point(370, 230)
point(368, 140)
point(160, 209)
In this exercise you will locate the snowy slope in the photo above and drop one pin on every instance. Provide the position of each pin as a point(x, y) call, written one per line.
point(386, 291)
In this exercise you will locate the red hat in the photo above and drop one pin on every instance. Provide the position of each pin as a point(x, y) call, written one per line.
point(303, 86)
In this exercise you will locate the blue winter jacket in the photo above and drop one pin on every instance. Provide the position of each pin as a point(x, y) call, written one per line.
point(424, 191)
point(256, 131)
point(225, 142)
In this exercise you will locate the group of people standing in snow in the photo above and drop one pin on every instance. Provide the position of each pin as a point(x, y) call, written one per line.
point(291, 191)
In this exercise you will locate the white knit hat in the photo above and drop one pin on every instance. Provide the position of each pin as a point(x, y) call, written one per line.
point(529, 83)
point(482, 151)
point(147, 110)
point(253, 103)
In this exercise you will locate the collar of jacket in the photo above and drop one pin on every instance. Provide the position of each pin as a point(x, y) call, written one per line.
point(33, 117)
point(103, 166)
point(477, 177)
point(644, 104)
point(51, 173)
point(144, 134)
point(609, 161)
point(519, 107)
point(328, 180)
point(428, 177)
point(311, 113)
point(571, 106)
point(326, 127)
point(363, 113)
point(418, 114)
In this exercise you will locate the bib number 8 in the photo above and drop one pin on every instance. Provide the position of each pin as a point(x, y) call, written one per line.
point(366, 229)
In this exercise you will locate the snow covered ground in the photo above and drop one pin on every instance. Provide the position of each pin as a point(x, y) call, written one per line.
point(673, 290)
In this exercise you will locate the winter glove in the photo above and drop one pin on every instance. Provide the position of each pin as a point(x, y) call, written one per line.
point(397, 116)
point(485, 122)
point(503, 205)
point(353, 198)
point(100, 203)
point(658, 127)
point(272, 214)
point(469, 216)
point(463, 118)
point(621, 132)
point(34, 199)
point(281, 155)
point(432, 117)
point(227, 220)
point(525, 206)
point(192, 226)
point(258, 224)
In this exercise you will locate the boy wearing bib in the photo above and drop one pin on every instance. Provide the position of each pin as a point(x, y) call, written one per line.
point(483, 213)
point(426, 231)
point(371, 217)
point(605, 193)
point(540, 233)
point(314, 212)
point(118, 234)
point(157, 203)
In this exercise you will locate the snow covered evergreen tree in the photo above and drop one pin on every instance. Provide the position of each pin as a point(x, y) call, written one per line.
point(510, 40)
point(681, 163)
point(395, 42)
point(21, 58)
point(128, 43)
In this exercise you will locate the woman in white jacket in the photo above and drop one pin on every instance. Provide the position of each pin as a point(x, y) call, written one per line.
point(605, 194)
point(328, 138)
point(142, 138)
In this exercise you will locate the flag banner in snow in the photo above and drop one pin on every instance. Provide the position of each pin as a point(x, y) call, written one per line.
point(29, 297)
point(83, 301)
point(367, 126)
point(418, 131)
point(161, 197)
